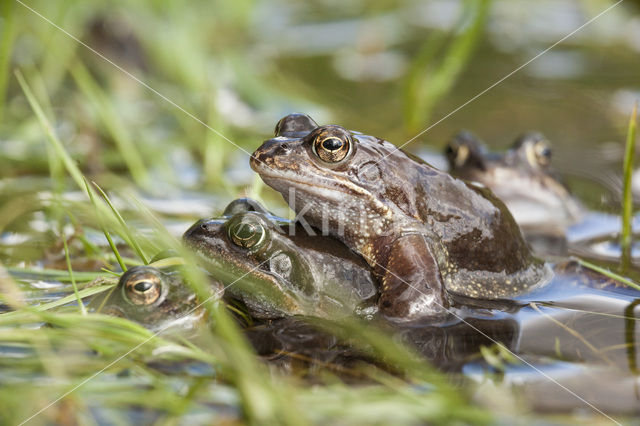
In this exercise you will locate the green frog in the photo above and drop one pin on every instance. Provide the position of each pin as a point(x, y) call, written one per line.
point(425, 234)
point(152, 297)
point(278, 268)
point(522, 177)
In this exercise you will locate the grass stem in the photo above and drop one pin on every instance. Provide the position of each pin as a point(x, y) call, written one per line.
point(106, 233)
point(610, 274)
point(627, 195)
point(7, 37)
point(83, 311)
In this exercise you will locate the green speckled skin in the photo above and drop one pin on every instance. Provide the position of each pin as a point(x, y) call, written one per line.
point(289, 272)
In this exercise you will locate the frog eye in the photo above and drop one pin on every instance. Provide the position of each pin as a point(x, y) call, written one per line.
point(451, 151)
point(457, 154)
point(332, 146)
point(247, 235)
point(542, 152)
point(143, 289)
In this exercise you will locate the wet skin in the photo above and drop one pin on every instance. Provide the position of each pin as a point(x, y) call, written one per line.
point(424, 233)
point(522, 177)
point(151, 297)
point(280, 269)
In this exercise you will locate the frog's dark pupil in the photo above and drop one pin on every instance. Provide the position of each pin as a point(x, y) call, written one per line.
point(143, 286)
point(332, 144)
point(245, 231)
point(450, 151)
point(546, 152)
point(247, 234)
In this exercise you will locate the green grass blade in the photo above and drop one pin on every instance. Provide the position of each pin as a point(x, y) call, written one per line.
point(7, 38)
point(60, 150)
point(83, 311)
point(610, 274)
point(74, 171)
point(262, 401)
point(107, 235)
point(12, 317)
point(51, 274)
point(427, 85)
point(627, 195)
point(68, 162)
point(113, 124)
point(123, 224)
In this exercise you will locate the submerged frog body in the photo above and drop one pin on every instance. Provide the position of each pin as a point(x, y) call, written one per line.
point(278, 268)
point(522, 178)
point(424, 233)
point(154, 298)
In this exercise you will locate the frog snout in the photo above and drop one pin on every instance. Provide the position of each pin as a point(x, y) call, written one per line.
point(265, 156)
point(198, 230)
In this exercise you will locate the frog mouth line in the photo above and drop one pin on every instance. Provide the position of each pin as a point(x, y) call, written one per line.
point(323, 190)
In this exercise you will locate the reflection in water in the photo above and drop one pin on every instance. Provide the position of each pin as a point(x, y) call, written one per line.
point(630, 335)
point(579, 331)
point(294, 342)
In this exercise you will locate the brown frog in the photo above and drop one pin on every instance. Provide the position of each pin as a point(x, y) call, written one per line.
point(425, 233)
point(522, 178)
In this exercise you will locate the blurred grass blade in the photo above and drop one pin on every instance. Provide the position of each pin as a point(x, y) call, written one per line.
point(72, 167)
point(427, 83)
point(68, 162)
point(106, 233)
point(83, 311)
point(9, 292)
point(262, 401)
point(132, 240)
point(51, 274)
point(627, 195)
point(113, 123)
point(8, 317)
point(7, 38)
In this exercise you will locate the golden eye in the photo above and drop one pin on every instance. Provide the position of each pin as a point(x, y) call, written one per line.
point(333, 145)
point(459, 155)
point(246, 234)
point(542, 152)
point(142, 289)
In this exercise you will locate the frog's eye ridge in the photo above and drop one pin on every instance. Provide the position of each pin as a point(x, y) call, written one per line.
point(247, 234)
point(295, 125)
point(332, 145)
point(142, 288)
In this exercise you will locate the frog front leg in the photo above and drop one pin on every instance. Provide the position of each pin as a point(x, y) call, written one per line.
point(411, 284)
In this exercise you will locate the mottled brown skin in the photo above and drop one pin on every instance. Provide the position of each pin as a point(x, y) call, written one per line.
point(286, 269)
point(522, 178)
point(423, 232)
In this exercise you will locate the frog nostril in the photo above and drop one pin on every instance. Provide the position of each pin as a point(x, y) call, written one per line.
point(284, 146)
